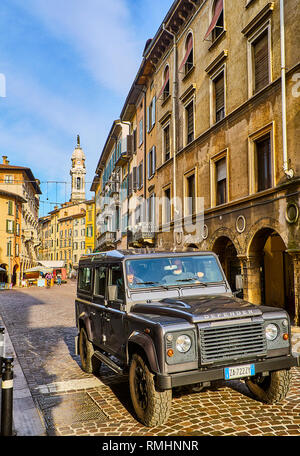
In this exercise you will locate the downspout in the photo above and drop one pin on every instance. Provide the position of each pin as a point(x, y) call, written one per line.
point(288, 172)
point(174, 118)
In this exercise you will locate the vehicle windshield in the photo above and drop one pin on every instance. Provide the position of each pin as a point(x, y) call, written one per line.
point(170, 271)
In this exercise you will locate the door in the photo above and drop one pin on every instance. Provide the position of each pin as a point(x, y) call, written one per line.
point(98, 306)
point(115, 334)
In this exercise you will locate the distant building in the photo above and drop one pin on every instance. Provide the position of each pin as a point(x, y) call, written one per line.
point(19, 207)
point(67, 232)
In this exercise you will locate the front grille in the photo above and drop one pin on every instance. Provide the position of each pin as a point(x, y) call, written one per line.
point(232, 342)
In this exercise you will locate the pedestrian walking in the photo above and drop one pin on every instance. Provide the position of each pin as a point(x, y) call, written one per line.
point(58, 281)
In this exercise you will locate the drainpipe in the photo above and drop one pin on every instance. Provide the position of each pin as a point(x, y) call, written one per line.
point(288, 172)
point(174, 118)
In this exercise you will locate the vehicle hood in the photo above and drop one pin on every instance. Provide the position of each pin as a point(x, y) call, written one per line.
point(198, 309)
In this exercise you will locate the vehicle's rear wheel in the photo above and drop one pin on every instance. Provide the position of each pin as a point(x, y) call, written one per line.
point(273, 388)
point(151, 406)
point(89, 363)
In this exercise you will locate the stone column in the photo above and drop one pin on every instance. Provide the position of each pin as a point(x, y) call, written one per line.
point(295, 254)
point(251, 270)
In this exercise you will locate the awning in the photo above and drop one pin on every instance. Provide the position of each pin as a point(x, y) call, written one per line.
point(165, 82)
point(52, 264)
point(218, 11)
point(38, 269)
point(189, 47)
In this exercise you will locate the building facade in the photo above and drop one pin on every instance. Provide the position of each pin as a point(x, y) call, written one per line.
point(20, 203)
point(214, 107)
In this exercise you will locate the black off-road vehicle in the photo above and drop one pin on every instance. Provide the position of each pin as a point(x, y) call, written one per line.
point(170, 319)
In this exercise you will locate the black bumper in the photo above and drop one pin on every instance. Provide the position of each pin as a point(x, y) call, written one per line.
point(168, 381)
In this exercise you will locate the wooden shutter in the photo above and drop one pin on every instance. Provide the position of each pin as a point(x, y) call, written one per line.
point(219, 96)
point(264, 168)
point(190, 122)
point(130, 184)
point(134, 174)
point(261, 62)
point(153, 110)
point(167, 142)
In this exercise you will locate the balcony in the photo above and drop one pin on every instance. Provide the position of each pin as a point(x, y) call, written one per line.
point(144, 233)
point(126, 151)
point(107, 239)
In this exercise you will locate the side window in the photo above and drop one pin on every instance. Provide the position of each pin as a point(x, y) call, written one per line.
point(116, 278)
point(85, 279)
point(100, 281)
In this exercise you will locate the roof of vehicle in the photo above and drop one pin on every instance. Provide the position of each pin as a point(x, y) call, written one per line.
point(142, 252)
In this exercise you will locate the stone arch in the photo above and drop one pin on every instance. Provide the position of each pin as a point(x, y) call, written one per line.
point(267, 224)
point(226, 233)
point(227, 253)
point(269, 268)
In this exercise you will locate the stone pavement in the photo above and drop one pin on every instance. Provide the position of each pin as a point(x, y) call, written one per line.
point(53, 396)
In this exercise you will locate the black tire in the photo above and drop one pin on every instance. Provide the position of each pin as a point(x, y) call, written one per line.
point(89, 363)
point(151, 406)
point(272, 389)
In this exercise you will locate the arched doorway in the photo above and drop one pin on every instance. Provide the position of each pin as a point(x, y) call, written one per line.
point(3, 273)
point(14, 275)
point(272, 271)
point(227, 254)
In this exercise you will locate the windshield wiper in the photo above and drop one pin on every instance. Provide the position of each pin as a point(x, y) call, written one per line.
point(152, 283)
point(189, 280)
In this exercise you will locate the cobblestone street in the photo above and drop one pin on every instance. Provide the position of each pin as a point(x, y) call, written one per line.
point(41, 326)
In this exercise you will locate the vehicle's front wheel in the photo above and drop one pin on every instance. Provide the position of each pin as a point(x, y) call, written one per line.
point(151, 406)
point(89, 363)
point(273, 388)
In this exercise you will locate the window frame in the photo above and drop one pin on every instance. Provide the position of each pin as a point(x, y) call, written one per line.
point(268, 129)
point(213, 177)
point(186, 134)
point(266, 27)
point(213, 78)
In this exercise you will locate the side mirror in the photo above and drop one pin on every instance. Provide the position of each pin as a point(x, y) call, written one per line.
point(112, 291)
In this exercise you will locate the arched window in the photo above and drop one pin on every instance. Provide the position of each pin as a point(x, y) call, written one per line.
point(216, 26)
point(78, 183)
point(165, 90)
point(188, 60)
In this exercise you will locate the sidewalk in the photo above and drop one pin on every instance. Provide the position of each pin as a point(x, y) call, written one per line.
point(27, 420)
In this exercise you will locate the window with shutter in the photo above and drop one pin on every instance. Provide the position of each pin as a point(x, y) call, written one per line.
point(167, 206)
point(221, 177)
point(264, 164)
point(130, 184)
point(261, 62)
point(191, 194)
point(140, 174)
point(190, 121)
point(219, 97)
point(134, 178)
point(167, 142)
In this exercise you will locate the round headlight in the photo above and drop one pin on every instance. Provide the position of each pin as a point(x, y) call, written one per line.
point(271, 331)
point(183, 343)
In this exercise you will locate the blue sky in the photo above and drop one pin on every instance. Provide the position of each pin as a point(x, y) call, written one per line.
point(68, 66)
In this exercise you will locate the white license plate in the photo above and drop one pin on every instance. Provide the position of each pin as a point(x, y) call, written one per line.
point(239, 371)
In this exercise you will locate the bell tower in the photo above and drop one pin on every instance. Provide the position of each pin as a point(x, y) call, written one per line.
point(78, 173)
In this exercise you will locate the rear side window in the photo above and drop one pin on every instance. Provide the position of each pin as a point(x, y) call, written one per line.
point(100, 280)
point(85, 279)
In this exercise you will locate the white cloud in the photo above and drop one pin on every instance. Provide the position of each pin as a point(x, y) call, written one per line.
point(101, 32)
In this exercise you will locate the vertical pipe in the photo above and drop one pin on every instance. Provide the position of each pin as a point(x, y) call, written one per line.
point(289, 172)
